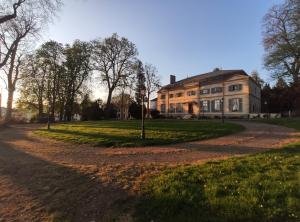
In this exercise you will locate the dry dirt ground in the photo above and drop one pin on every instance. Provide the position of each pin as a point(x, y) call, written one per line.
point(46, 180)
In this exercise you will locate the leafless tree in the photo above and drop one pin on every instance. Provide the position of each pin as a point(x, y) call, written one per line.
point(15, 32)
point(152, 83)
point(14, 11)
point(9, 9)
point(282, 40)
point(112, 59)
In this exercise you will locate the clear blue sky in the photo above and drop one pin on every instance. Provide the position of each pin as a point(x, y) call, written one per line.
point(181, 37)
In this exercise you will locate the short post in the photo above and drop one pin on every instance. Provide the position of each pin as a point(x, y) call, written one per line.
point(48, 113)
point(222, 102)
point(143, 119)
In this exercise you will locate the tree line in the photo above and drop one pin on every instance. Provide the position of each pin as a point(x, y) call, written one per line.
point(54, 80)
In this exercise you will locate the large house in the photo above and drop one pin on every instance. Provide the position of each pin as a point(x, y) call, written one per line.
point(232, 93)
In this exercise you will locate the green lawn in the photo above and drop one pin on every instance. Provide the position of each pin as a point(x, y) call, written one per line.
point(262, 187)
point(127, 133)
point(288, 122)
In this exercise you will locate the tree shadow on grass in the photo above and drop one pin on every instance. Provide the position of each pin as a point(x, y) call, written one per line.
point(63, 193)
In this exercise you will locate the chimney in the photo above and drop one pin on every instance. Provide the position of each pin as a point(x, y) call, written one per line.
point(172, 79)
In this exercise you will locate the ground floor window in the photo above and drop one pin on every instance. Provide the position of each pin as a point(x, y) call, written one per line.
point(236, 105)
point(204, 105)
point(216, 105)
point(179, 108)
point(172, 108)
point(163, 108)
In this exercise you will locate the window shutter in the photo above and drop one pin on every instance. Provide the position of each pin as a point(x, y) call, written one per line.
point(213, 106)
point(240, 86)
point(240, 105)
point(201, 106)
point(208, 106)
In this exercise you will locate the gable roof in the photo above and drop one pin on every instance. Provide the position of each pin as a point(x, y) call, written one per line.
point(204, 77)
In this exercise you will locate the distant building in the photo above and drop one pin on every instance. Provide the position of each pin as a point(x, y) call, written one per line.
point(207, 94)
point(153, 104)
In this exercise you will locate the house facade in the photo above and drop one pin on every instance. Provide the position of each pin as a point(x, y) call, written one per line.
point(232, 93)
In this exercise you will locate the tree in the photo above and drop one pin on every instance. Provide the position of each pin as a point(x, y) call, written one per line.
point(38, 12)
point(255, 76)
point(91, 110)
point(112, 59)
point(15, 33)
point(51, 55)
point(282, 40)
point(78, 69)
point(122, 103)
point(152, 83)
point(140, 81)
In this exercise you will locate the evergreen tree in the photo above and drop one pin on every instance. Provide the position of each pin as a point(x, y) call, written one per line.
point(140, 82)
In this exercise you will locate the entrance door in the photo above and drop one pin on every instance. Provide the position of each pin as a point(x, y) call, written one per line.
point(191, 110)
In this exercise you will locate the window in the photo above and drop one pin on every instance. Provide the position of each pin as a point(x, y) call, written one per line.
point(163, 108)
point(205, 106)
point(216, 90)
point(236, 105)
point(236, 87)
point(216, 105)
point(178, 94)
point(179, 108)
point(191, 93)
point(171, 96)
point(172, 108)
point(204, 91)
point(163, 96)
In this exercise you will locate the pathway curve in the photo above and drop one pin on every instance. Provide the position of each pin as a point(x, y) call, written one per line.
point(42, 179)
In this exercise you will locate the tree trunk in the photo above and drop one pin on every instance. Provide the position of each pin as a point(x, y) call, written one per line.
point(41, 108)
point(148, 106)
point(10, 98)
point(108, 104)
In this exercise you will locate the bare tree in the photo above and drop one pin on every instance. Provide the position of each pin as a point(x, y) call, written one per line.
point(255, 76)
point(15, 31)
point(282, 40)
point(152, 83)
point(112, 59)
point(6, 16)
point(14, 11)
point(9, 8)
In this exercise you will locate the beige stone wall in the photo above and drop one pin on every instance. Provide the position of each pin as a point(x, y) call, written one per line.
point(250, 94)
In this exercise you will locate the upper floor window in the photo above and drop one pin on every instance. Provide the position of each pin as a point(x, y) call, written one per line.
point(191, 93)
point(204, 106)
point(163, 96)
point(163, 108)
point(204, 91)
point(171, 96)
point(236, 87)
point(216, 90)
point(179, 108)
point(172, 108)
point(178, 94)
point(236, 105)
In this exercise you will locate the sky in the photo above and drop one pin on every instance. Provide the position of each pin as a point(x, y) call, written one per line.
point(179, 37)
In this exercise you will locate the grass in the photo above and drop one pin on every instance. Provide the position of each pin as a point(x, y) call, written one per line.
point(127, 133)
point(262, 187)
point(288, 122)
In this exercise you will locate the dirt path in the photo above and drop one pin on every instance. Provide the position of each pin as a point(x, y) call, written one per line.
point(42, 180)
